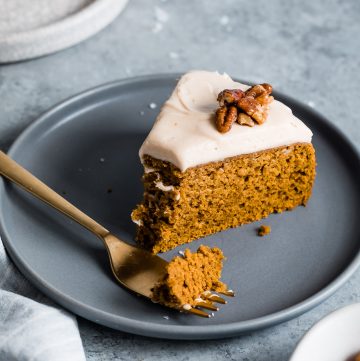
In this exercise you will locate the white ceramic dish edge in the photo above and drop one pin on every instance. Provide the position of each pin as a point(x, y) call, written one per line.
point(62, 34)
point(336, 337)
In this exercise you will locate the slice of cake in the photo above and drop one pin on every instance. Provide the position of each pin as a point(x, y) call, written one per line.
point(220, 154)
point(190, 277)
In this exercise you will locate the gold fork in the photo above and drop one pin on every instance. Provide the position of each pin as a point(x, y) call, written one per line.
point(136, 269)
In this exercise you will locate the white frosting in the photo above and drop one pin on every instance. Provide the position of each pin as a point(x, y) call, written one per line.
point(149, 170)
point(160, 185)
point(139, 222)
point(184, 133)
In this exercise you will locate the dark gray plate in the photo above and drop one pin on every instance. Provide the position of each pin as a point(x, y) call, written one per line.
point(310, 253)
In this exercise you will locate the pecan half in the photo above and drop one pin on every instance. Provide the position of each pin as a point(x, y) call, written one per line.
point(244, 119)
point(256, 102)
point(258, 90)
point(230, 96)
point(253, 108)
point(225, 118)
point(250, 105)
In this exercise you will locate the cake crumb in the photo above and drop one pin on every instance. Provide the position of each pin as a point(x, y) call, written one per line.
point(152, 105)
point(264, 230)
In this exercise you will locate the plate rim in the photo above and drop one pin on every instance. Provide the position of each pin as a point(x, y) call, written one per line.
point(146, 328)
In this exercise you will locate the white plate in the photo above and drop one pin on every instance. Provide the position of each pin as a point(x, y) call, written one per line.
point(335, 338)
point(29, 29)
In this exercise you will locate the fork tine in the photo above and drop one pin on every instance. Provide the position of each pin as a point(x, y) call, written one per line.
point(207, 305)
point(229, 293)
point(212, 297)
point(198, 312)
point(217, 299)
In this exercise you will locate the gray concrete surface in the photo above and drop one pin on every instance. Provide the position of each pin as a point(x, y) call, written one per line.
point(307, 49)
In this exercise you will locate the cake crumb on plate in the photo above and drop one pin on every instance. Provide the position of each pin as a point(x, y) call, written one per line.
point(263, 230)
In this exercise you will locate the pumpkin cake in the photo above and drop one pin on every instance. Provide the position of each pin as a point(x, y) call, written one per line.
point(189, 278)
point(220, 154)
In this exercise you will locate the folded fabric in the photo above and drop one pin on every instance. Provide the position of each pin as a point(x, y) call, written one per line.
point(32, 327)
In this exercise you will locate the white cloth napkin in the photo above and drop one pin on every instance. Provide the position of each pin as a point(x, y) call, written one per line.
point(33, 328)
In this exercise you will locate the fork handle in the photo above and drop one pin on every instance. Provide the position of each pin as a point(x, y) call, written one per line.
point(17, 174)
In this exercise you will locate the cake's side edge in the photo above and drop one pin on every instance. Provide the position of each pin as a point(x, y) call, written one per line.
point(171, 194)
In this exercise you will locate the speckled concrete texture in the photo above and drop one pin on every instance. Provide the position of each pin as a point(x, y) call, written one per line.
point(307, 49)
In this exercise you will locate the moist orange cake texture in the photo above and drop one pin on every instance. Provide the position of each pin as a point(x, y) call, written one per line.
point(179, 207)
point(188, 277)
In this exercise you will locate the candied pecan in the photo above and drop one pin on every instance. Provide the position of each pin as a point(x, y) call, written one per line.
point(264, 99)
point(243, 106)
point(268, 88)
point(225, 117)
point(252, 108)
point(244, 119)
point(258, 90)
point(230, 96)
